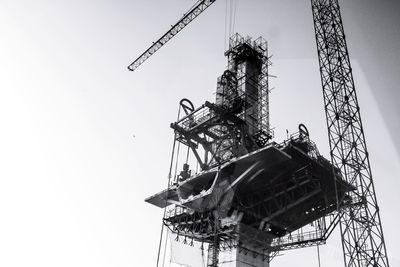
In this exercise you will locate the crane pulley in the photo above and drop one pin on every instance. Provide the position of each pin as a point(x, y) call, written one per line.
point(189, 16)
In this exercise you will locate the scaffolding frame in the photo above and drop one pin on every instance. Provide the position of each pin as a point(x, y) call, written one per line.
point(240, 48)
point(238, 122)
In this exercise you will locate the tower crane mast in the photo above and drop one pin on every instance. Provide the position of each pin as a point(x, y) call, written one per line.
point(361, 229)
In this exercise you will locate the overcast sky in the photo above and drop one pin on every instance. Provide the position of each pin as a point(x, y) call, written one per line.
point(83, 141)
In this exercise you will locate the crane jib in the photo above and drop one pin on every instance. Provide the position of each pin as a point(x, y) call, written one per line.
point(175, 29)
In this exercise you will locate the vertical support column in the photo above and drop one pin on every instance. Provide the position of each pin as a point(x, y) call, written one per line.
point(361, 229)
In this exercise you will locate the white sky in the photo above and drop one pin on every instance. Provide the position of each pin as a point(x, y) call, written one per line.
point(83, 141)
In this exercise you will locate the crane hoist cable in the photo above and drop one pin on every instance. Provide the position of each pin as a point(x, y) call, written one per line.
point(234, 10)
point(169, 184)
point(230, 20)
point(226, 24)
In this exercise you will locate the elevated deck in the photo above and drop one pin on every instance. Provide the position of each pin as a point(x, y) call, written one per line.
point(276, 190)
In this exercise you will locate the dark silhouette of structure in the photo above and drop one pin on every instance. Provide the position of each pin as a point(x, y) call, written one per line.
point(258, 197)
point(360, 224)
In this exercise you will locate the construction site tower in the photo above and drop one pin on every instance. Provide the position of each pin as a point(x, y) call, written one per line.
point(360, 225)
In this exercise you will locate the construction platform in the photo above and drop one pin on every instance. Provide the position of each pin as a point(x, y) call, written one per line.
point(263, 195)
point(250, 194)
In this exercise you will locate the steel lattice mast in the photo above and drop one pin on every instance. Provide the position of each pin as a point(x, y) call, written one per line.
point(361, 228)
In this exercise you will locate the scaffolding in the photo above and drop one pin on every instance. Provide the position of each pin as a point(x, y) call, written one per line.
point(238, 122)
point(248, 192)
point(248, 61)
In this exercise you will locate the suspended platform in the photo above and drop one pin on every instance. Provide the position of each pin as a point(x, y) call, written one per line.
point(265, 194)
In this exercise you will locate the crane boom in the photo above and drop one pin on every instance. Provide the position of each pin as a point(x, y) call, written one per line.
point(195, 11)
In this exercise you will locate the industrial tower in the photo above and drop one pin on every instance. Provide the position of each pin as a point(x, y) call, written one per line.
point(255, 196)
point(250, 196)
point(360, 225)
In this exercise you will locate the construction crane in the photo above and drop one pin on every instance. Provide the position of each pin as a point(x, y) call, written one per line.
point(361, 229)
point(360, 224)
point(189, 16)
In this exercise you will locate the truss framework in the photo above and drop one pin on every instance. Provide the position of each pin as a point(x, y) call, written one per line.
point(238, 123)
point(175, 29)
point(361, 228)
point(257, 81)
